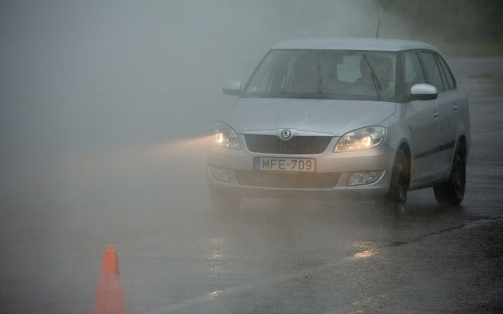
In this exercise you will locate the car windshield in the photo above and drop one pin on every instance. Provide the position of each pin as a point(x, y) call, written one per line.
point(325, 74)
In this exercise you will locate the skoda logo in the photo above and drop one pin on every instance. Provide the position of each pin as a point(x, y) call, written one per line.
point(286, 134)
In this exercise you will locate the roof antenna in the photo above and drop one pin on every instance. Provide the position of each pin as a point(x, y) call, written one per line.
point(378, 26)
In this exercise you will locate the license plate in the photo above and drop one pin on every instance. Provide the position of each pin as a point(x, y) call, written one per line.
point(284, 164)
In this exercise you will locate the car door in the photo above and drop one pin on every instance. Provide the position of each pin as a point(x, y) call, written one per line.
point(449, 109)
point(421, 120)
point(446, 129)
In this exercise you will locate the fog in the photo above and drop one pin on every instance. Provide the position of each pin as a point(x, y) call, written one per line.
point(105, 112)
point(81, 79)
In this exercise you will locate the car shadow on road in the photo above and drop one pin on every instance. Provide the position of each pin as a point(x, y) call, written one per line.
point(363, 213)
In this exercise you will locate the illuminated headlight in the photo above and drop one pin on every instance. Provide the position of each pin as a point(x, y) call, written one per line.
point(362, 178)
point(225, 136)
point(364, 138)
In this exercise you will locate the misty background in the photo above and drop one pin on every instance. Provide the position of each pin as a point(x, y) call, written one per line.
point(94, 89)
point(105, 112)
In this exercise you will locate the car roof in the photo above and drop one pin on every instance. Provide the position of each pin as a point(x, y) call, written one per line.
point(366, 44)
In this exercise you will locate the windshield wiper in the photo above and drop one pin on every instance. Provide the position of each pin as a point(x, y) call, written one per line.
point(375, 80)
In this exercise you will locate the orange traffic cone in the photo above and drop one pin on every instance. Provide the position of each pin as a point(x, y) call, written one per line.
point(109, 298)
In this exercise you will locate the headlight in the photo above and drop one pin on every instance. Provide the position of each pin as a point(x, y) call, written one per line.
point(364, 138)
point(225, 136)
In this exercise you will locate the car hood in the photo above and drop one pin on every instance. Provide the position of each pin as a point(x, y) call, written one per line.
point(333, 117)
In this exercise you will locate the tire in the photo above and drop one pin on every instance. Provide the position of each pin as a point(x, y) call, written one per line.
point(224, 200)
point(396, 199)
point(452, 191)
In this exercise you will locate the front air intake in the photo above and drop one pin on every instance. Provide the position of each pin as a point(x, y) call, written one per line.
point(300, 145)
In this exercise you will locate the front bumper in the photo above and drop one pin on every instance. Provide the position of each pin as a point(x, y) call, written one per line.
point(232, 169)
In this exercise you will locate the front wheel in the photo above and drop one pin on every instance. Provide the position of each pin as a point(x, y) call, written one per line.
point(396, 198)
point(452, 191)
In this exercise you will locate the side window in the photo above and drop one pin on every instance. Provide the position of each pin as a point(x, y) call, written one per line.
point(413, 71)
point(432, 70)
point(451, 83)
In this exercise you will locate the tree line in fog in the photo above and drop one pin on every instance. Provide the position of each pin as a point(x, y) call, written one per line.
point(453, 20)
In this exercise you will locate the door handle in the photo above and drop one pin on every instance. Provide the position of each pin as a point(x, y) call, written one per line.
point(434, 113)
point(455, 108)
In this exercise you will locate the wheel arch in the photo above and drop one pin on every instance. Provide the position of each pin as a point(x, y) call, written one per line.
point(462, 145)
point(404, 146)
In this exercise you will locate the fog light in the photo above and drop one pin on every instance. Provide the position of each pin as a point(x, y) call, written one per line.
point(220, 174)
point(362, 178)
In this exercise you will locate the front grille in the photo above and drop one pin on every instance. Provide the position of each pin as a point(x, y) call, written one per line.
point(271, 144)
point(299, 180)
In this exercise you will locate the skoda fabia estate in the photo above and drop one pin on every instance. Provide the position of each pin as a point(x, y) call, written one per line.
point(333, 117)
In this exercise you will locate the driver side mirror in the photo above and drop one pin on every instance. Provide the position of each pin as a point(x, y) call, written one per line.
point(232, 88)
point(423, 92)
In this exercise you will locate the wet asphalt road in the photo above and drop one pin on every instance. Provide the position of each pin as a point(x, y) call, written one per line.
point(177, 256)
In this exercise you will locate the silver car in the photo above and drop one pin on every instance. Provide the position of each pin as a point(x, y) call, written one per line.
point(333, 117)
